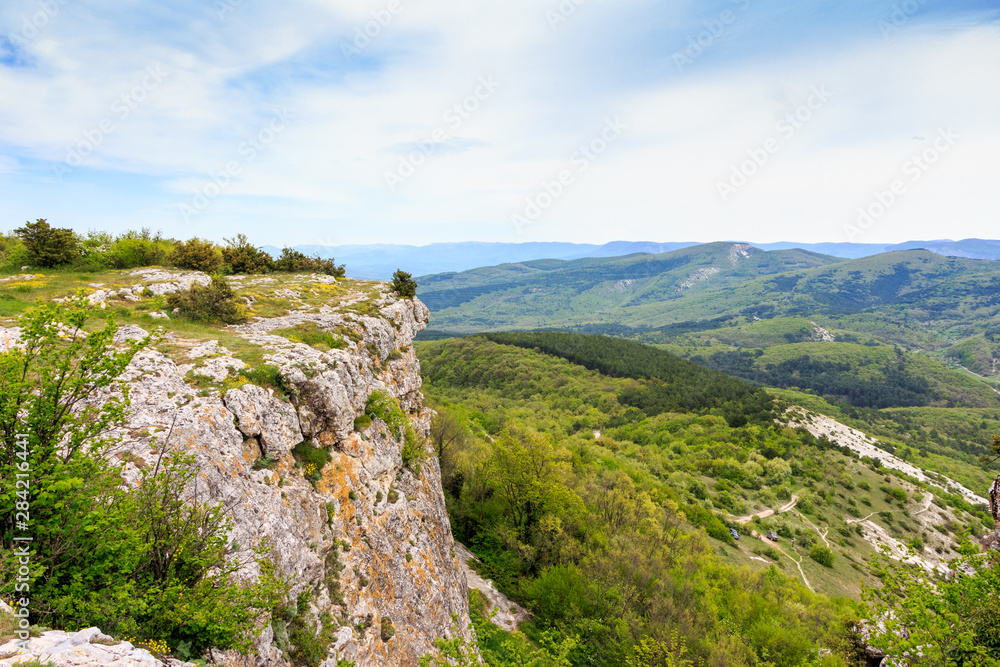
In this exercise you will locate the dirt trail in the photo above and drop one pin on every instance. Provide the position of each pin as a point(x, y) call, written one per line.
point(813, 526)
point(798, 564)
point(763, 514)
point(929, 500)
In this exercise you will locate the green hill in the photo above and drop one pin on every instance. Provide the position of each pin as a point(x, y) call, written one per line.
point(586, 291)
point(862, 375)
point(599, 516)
point(914, 297)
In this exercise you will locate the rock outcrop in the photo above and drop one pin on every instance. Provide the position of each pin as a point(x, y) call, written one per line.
point(367, 537)
point(85, 648)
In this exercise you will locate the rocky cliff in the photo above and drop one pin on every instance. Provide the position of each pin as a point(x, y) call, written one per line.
point(367, 537)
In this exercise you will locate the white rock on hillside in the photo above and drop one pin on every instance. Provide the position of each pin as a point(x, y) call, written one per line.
point(76, 649)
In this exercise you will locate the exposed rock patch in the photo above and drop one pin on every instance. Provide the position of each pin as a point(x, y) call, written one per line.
point(87, 648)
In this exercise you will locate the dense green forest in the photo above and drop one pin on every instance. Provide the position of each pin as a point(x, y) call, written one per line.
point(674, 384)
point(613, 525)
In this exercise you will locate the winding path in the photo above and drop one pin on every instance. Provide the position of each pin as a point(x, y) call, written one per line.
point(763, 514)
point(813, 526)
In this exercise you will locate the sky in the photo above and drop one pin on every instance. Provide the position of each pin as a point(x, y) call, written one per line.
point(331, 122)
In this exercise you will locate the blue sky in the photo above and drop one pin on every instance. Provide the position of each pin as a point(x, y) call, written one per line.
point(398, 121)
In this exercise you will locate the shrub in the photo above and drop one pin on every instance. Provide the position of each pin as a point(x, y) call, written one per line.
point(382, 406)
point(387, 631)
point(895, 492)
point(245, 258)
point(822, 555)
point(311, 647)
point(265, 463)
point(13, 252)
point(414, 450)
point(209, 303)
point(312, 458)
point(197, 255)
point(134, 249)
point(268, 376)
point(49, 246)
point(292, 260)
point(404, 284)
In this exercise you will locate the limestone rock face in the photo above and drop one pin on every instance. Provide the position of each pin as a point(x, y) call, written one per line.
point(369, 537)
point(86, 647)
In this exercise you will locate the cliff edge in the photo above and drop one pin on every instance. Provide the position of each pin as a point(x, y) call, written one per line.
point(364, 541)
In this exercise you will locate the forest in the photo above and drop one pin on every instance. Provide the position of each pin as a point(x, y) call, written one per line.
point(612, 525)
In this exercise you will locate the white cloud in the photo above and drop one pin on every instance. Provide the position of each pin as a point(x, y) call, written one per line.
point(325, 174)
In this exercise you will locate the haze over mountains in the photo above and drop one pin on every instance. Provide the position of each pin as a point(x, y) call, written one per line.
point(378, 261)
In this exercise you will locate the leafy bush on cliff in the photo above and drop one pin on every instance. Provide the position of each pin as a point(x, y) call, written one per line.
point(209, 303)
point(293, 261)
point(242, 257)
point(197, 255)
point(404, 284)
point(385, 407)
point(949, 620)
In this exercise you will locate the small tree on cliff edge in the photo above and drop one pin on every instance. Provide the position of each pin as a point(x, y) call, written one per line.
point(404, 284)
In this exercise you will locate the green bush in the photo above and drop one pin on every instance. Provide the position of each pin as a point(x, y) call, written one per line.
point(268, 376)
point(293, 261)
point(387, 630)
point(822, 555)
point(894, 492)
point(312, 458)
point(404, 284)
point(134, 249)
point(211, 303)
point(13, 252)
point(49, 246)
point(382, 406)
point(242, 257)
point(310, 646)
point(414, 450)
point(197, 255)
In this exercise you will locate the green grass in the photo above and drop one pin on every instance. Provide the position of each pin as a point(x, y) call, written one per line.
point(311, 334)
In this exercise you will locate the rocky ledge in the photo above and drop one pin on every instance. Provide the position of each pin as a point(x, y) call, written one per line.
point(368, 537)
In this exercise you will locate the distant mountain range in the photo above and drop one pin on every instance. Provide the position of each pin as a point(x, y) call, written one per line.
point(824, 321)
point(379, 261)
